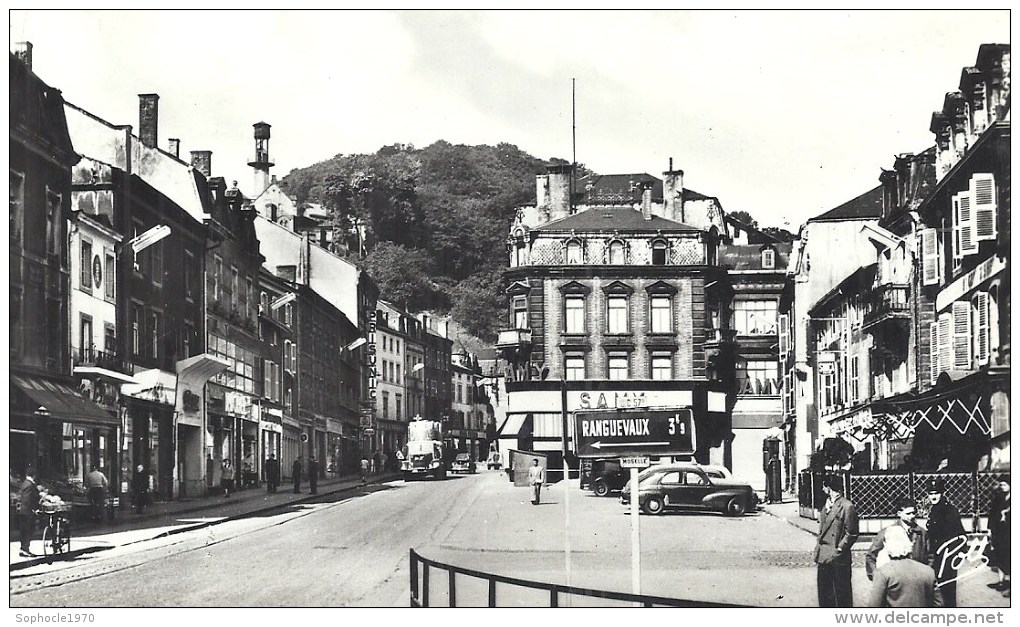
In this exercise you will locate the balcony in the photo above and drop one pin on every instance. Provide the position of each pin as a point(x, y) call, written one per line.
point(513, 338)
point(89, 360)
point(718, 338)
point(887, 303)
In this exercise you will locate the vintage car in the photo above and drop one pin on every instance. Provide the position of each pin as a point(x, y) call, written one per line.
point(494, 461)
point(607, 476)
point(463, 463)
point(669, 487)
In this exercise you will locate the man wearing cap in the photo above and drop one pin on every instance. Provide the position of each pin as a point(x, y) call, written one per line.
point(944, 533)
point(906, 514)
point(837, 531)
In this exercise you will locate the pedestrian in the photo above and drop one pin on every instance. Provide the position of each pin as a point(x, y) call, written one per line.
point(28, 503)
point(297, 474)
point(140, 489)
point(385, 461)
point(227, 478)
point(364, 470)
point(903, 581)
point(96, 484)
point(906, 515)
point(375, 462)
point(837, 532)
point(247, 472)
point(272, 473)
point(313, 474)
point(998, 528)
point(536, 477)
point(946, 540)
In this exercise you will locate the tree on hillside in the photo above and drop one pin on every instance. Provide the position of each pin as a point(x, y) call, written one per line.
point(744, 217)
point(402, 275)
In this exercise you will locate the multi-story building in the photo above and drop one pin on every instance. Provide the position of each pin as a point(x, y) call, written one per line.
point(467, 420)
point(414, 366)
point(49, 418)
point(437, 350)
point(280, 430)
point(394, 378)
point(609, 296)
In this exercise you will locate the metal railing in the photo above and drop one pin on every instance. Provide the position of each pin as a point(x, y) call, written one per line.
point(888, 300)
point(91, 356)
point(422, 583)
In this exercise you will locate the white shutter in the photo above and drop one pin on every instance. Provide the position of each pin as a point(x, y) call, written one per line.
point(933, 352)
point(961, 335)
point(968, 242)
point(982, 190)
point(293, 358)
point(266, 378)
point(784, 336)
point(981, 329)
point(945, 342)
point(931, 268)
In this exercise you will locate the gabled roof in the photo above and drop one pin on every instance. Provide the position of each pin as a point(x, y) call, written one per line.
point(611, 219)
point(867, 206)
point(858, 282)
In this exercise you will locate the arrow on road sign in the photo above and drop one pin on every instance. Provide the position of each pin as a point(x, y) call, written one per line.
point(627, 444)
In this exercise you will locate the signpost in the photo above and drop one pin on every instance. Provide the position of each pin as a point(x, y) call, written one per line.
point(626, 432)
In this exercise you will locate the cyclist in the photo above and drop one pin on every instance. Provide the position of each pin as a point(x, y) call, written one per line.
point(97, 485)
point(28, 502)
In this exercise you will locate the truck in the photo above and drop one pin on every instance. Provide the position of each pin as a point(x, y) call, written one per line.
point(426, 454)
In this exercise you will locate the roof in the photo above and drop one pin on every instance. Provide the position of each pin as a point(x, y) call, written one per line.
point(867, 206)
point(601, 189)
point(748, 256)
point(690, 194)
point(613, 218)
point(859, 282)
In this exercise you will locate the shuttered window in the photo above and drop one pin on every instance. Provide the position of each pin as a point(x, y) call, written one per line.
point(961, 335)
point(784, 336)
point(982, 190)
point(981, 327)
point(963, 226)
point(945, 342)
point(933, 352)
point(931, 268)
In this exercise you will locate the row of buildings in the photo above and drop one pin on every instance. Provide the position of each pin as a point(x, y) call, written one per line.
point(162, 322)
point(881, 331)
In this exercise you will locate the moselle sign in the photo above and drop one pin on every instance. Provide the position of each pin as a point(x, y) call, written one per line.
point(633, 432)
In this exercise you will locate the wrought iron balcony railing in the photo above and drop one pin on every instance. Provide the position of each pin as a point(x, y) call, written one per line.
point(887, 302)
point(90, 356)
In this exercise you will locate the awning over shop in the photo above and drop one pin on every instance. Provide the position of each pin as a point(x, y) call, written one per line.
point(195, 371)
point(61, 401)
point(155, 385)
point(512, 425)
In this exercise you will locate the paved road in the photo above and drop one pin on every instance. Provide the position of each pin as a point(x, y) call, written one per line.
point(351, 549)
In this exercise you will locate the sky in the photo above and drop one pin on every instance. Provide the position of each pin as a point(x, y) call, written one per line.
point(783, 114)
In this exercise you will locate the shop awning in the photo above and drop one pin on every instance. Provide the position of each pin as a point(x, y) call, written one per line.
point(61, 401)
point(512, 425)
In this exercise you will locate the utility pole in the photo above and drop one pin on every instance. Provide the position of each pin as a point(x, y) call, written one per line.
point(573, 141)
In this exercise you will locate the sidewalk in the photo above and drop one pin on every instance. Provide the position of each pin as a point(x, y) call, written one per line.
point(161, 519)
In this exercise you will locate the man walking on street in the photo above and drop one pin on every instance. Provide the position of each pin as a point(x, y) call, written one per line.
point(313, 474)
point(272, 473)
point(536, 477)
point(28, 493)
point(906, 513)
point(297, 474)
point(96, 484)
point(364, 470)
point(945, 539)
point(837, 531)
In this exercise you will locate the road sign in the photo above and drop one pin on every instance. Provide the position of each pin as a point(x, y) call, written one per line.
point(634, 432)
point(634, 462)
point(369, 431)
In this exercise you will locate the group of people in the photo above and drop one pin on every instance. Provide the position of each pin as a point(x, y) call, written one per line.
point(909, 565)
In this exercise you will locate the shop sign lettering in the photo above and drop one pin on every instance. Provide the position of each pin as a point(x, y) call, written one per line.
point(612, 400)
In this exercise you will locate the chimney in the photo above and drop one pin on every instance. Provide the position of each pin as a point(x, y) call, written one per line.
point(148, 119)
point(201, 160)
point(646, 200)
point(558, 195)
point(23, 50)
point(175, 147)
point(673, 193)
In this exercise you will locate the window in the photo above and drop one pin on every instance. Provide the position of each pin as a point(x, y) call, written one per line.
point(154, 319)
point(398, 402)
point(386, 405)
point(573, 320)
point(574, 254)
point(110, 277)
point(249, 297)
point(768, 258)
point(136, 330)
point(616, 314)
point(217, 277)
point(17, 204)
point(398, 379)
point(235, 293)
point(54, 222)
point(574, 366)
point(755, 317)
point(618, 366)
point(659, 253)
point(662, 366)
point(86, 266)
point(855, 379)
point(617, 254)
point(264, 303)
point(86, 335)
point(961, 354)
point(157, 262)
point(661, 314)
point(758, 377)
point(520, 312)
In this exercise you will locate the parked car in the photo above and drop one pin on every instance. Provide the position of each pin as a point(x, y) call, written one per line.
point(607, 476)
point(463, 463)
point(494, 461)
point(691, 488)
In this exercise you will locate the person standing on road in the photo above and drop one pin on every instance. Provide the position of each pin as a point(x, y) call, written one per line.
point(272, 473)
point(28, 502)
point(313, 474)
point(536, 477)
point(902, 581)
point(364, 470)
point(906, 513)
point(296, 470)
point(96, 484)
point(140, 489)
point(227, 478)
point(946, 538)
point(999, 516)
point(837, 531)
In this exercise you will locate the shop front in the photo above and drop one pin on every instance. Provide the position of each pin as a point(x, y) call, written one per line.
point(191, 468)
point(271, 441)
point(148, 439)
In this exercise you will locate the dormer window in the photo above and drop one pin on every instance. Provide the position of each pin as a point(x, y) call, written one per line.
point(574, 252)
point(768, 258)
point(660, 252)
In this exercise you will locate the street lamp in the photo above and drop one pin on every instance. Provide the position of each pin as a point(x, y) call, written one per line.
point(355, 344)
point(283, 300)
point(148, 238)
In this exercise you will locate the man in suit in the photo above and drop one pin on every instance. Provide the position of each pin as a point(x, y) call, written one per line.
point(313, 474)
point(837, 532)
point(906, 513)
point(297, 474)
point(902, 581)
point(946, 538)
point(272, 473)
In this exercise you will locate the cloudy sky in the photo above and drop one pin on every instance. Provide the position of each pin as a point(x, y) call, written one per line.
point(782, 114)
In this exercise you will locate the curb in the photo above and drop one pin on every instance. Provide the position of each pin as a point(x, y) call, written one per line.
point(71, 555)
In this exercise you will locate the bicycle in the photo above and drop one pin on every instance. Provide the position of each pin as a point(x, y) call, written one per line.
point(56, 537)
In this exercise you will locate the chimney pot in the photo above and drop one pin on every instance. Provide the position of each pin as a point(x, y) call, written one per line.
point(23, 50)
point(148, 119)
point(201, 160)
point(175, 147)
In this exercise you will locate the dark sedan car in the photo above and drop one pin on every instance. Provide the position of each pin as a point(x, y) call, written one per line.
point(463, 463)
point(692, 488)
